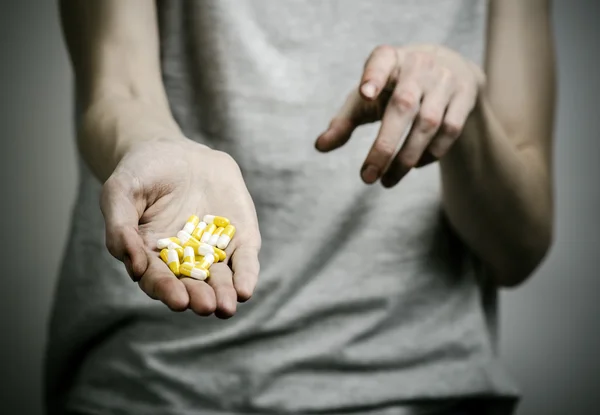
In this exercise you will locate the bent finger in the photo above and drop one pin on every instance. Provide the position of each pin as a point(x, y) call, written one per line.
point(221, 282)
point(379, 67)
point(159, 283)
point(121, 217)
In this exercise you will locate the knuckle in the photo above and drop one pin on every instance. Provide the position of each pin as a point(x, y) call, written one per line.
point(445, 74)
point(227, 162)
point(453, 128)
point(384, 148)
point(430, 122)
point(422, 58)
point(383, 49)
point(408, 160)
point(224, 158)
point(404, 101)
point(437, 149)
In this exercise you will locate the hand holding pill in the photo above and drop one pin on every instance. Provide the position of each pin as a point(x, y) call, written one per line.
point(170, 200)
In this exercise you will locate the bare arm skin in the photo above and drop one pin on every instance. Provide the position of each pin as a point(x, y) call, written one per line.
point(490, 128)
point(154, 177)
point(497, 178)
point(113, 45)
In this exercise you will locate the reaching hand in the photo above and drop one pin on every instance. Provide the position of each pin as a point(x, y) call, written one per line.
point(156, 186)
point(429, 87)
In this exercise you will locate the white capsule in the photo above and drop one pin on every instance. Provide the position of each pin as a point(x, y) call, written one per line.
point(205, 249)
point(208, 219)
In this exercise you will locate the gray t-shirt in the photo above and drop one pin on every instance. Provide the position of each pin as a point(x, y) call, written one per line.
point(367, 302)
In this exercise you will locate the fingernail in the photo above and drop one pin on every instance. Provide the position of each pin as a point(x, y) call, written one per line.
point(370, 173)
point(369, 90)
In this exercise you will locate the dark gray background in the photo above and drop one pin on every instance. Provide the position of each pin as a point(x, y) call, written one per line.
point(549, 325)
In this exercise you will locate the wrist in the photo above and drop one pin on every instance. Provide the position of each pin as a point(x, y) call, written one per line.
point(112, 127)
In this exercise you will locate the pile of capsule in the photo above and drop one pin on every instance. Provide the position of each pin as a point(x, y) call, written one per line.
point(197, 246)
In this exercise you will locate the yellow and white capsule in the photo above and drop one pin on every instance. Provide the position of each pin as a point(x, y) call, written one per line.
point(208, 231)
point(191, 224)
point(168, 243)
point(220, 254)
point(199, 230)
point(187, 239)
point(214, 238)
point(200, 257)
point(219, 221)
point(206, 261)
point(205, 249)
point(189, 256)
point(171, 258)
point(226, 237)
point(179, 251)
point(193, 271)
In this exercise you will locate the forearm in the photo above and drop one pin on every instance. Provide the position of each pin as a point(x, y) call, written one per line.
point(497, 178)
point(498, 197)
point(113, 46)
point(110, 127)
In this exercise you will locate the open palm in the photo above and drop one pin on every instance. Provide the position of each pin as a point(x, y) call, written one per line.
point(152, 192)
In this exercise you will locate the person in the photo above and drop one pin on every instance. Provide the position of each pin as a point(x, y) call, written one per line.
point(380, 261)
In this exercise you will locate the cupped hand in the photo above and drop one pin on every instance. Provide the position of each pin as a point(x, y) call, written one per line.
point(424, 93)
point(155, 187)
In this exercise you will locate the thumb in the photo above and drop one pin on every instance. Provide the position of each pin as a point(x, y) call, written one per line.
point(121, 217)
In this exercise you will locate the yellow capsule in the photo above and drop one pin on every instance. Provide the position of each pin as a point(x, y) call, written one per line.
point(226, 237)
point(221, 254)
point(171, 258)
point(199, 230)
point(191, 223)
point(189, 255)
point(208, 231)
point(219, 221)
point(193, 271)
point(214, 238)
point(206, 262)
point(168, 243)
